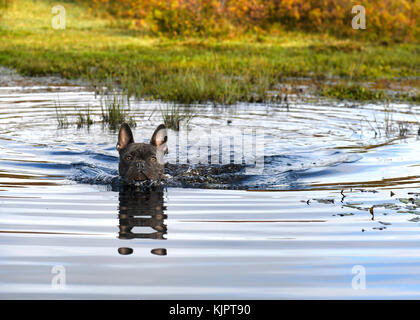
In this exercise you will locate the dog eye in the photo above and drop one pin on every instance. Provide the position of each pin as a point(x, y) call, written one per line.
point(154, 159)
point(128, 158)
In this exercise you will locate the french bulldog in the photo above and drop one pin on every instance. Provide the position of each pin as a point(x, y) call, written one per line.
point(141, 161)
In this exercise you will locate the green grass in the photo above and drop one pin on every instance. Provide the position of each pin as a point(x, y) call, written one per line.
point(173, 115)
point(352, 92)
point(410, 98)
point(84, 118)
point(356, 92)
point(62, 119)
point(115, 111)
point(187, 70)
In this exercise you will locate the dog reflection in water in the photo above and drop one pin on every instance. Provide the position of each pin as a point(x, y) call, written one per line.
point(141, 216)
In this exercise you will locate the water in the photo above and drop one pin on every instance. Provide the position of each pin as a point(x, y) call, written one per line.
point(302, 228)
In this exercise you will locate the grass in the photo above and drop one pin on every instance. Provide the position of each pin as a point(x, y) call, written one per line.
point(222, 71)
point(415, 98)
point(62, 119)
point(390, 128)
point(115, 111)
point(357, 92)
point(84, 118)
point(173, 115)
point(352, 92)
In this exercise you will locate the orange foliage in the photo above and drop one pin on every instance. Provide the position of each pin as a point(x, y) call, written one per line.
point(394, 19)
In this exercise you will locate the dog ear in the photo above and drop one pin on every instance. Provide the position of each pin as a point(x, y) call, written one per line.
point(159, 139)
point(125, 137)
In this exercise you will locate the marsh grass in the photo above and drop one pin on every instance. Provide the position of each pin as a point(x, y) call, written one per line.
point(388, 121)
point(357, 92)
point(84, 118)
point(395, 128)
point(389, 127)
point(189, 86)
point(414, 98)
point(173, 115)
point(403, 128)
point(115, 111)
point(352, 92)
point(62, 119)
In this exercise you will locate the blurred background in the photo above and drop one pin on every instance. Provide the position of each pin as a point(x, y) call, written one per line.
point(217, 50)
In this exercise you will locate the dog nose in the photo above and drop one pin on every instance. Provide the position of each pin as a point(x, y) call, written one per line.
point(140, 165)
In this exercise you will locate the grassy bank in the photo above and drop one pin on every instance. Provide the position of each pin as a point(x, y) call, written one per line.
point(187, 70)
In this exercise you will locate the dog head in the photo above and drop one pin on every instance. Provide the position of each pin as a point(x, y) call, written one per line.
point(141, 161)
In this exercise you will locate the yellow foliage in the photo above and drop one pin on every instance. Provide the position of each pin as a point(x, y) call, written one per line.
point(393, 19)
